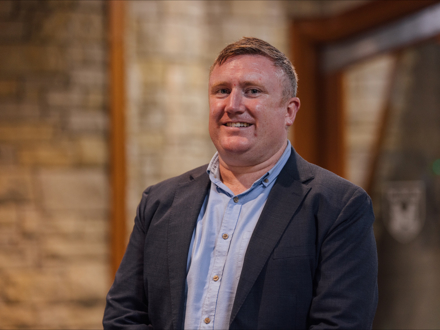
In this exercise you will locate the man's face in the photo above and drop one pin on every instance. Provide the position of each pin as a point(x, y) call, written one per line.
point(248, 116)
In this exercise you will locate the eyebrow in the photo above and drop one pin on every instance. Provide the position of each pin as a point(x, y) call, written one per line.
point(244, 84)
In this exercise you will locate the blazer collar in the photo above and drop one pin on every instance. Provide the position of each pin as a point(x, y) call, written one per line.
point(188, 201)
point(284, 199)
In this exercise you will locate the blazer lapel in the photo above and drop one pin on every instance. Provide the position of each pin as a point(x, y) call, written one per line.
point(185, 209)
point(285, 197)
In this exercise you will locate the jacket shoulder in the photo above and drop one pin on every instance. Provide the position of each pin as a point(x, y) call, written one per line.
point(333, 191)
point(327, 180)
point(169, 185)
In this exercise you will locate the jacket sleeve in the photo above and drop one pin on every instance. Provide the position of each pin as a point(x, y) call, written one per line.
point(126, 303)
point(345, 289)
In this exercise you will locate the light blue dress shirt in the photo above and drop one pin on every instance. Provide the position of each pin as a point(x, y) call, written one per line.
point(218, 246)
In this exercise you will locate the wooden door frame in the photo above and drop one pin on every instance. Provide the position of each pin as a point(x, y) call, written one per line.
point(319, 130)
point(116, 33)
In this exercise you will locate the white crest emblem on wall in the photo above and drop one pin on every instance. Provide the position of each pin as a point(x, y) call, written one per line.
point(404, 209)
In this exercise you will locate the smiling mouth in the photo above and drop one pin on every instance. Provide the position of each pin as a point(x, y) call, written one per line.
point(237, 124)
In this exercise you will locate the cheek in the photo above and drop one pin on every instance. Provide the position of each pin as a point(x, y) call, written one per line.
point(215, 110)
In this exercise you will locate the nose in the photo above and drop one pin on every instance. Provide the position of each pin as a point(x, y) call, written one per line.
point(235, 102)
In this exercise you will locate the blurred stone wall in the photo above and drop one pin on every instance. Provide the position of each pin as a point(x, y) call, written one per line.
point(54, 206)
point(170, 48)
point(366, 94)
point(53, 164)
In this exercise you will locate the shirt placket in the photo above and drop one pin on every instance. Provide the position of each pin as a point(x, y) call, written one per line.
point(224, 238)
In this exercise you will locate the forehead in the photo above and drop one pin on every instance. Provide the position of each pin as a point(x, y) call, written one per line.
point(253, 67)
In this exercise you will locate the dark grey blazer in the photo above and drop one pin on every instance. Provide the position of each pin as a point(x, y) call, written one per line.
point(311, 261)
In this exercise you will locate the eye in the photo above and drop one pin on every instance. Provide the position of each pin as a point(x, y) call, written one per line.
point(223, 91)
point(253, 91)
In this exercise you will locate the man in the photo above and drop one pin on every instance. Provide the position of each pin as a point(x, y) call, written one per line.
point(259, 238)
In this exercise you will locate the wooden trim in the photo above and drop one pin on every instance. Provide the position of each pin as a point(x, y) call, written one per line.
point(116, 11)
point(305, 136)
point(319, 129)
point(318, 132)
point(333, 124)
point(360, 19)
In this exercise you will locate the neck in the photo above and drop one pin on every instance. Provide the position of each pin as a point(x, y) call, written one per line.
point(241, 178)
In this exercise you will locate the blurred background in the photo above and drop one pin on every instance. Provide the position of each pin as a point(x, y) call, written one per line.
point(100, 99)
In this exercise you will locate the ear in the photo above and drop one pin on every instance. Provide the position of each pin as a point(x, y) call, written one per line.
point(292, 107)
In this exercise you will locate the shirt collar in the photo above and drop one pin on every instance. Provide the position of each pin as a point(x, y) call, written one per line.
point(271, 175)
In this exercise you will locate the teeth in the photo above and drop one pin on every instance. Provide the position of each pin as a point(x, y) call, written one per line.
point(238, 124)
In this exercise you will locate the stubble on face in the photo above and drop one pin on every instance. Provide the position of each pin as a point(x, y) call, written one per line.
point(247, 89)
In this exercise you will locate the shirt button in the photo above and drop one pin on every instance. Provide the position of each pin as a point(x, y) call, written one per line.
point(225, 236)
point(236, 199)
point(266, 180)
point(207, 320)
point(215, 278)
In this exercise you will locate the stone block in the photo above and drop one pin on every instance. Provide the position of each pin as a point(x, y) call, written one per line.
point(55, 26)
point(96, 54)
point(7, 155)
point(66, 98)
point(52, 153)
point(74, 189)
point(8, 88)
point(41, 82)
point(17, 316)
point(19, 110)
point(89, 77)
point(182, 40)
point(30, 220)
point(86, 26)
point(8, 215)
point(95, 99)
point(151, 117)
point(189, 9)
point(21, 255)
point(15, 185)
point(34, 286)
point(96, 6)
point(217, 8)
point(70, 315)
point(233, 30)
point(25, 131)
point(91, 54)
point(305, 9)
point(152, 71)
point(58, 250)
point(79, 225)
point(144, 9)
point(75, 54)
point(87, 281)
point(9, 233)
point(246, 9)
point(56, 315)
point(93, 150)
point(151, 141)
point(87, 122)
point(31, 59)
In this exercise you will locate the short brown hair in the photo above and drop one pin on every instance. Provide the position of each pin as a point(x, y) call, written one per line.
point(255, 46)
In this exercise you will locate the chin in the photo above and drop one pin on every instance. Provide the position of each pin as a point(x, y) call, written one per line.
point(234, 144)
point(234, 148)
